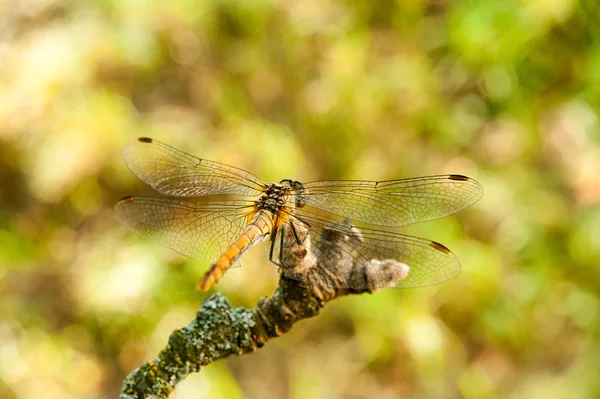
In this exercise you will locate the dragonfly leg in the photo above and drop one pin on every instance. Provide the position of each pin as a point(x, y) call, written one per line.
point(281, 236)
point(296, 236)
point(295, 233)
point(273, 241)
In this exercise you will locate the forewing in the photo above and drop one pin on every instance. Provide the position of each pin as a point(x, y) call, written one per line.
point(393, 202)
point(337, 254)
point(198, 230)
point(174, 173)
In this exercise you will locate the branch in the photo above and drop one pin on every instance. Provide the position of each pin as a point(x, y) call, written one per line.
point(220, 330)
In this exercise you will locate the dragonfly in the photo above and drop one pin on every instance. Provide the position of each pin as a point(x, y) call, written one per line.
point(319, 232)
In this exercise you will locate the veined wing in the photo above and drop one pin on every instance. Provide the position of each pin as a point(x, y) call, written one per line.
point(393, 202)
point(337, 254)
point(198, 230)
point(174, 173)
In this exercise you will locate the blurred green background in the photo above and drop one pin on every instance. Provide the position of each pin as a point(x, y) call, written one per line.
point(507, 92)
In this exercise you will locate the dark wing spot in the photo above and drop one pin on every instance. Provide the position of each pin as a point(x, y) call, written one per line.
point(458, 177)
point(145, 140)
point(126, 199)
point(439, 247)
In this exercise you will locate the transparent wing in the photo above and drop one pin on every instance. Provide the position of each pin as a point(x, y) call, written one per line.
point(337, 254)
point(393, 202)
point(198, 230)
point(175, 173)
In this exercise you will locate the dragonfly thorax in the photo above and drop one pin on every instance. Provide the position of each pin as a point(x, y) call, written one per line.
point(273, 198)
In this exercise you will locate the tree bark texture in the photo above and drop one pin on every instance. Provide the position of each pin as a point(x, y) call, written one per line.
point(220, 330)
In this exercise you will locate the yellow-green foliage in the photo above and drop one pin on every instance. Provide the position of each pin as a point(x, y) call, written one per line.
point(507, 92)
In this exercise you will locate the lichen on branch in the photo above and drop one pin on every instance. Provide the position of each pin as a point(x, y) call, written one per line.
point(220, 330)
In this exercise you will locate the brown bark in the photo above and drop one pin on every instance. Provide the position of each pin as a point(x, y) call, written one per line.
point(220, 330)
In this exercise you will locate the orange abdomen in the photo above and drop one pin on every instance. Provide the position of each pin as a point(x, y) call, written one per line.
point(259, 227)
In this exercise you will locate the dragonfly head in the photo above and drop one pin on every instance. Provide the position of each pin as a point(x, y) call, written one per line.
point(298, 191)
